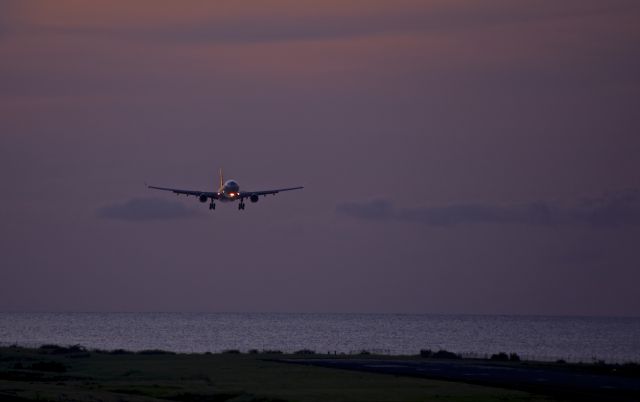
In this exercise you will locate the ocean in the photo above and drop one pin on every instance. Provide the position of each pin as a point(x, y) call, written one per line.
point(613, 339)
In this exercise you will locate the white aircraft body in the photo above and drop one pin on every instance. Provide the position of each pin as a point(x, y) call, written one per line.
point(228, 191)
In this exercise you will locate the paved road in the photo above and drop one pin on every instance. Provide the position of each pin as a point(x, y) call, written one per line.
point(564, 382)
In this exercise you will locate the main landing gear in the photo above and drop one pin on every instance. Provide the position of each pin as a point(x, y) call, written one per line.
point(241, 205)
point(212, 205)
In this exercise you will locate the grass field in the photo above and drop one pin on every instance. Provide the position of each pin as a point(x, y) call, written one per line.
point(78, 375)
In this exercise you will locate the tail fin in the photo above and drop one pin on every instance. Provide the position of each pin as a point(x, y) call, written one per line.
point(221, 178)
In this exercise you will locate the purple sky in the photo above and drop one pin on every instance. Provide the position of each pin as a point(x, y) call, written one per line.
point(457, 157)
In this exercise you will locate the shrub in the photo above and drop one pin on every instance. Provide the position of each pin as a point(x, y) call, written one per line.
point(500, 357)
point(445, 354)
point(513, 357)
point(272, 352)
point(231, 352)
point(253, 351)
point(49, 346)
point(61, 350)
point(120, 352)
point(304, 352)
point(426, 353)
point(155, 352)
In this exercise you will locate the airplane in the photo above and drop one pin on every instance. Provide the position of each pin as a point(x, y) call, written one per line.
point(228, 191)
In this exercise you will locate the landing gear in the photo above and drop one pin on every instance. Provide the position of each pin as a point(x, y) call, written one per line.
point(241, 205)
point(212, 205)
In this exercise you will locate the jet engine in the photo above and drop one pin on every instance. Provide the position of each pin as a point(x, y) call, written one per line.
point(203, 198)
point(254, 197)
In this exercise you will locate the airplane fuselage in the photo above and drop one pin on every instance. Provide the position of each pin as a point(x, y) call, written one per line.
point(229, 191)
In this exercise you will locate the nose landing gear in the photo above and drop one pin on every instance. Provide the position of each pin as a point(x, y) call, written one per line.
point(241, 205)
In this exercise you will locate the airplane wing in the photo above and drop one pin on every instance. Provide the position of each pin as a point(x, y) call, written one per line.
point(245, 194)
point(195, 193)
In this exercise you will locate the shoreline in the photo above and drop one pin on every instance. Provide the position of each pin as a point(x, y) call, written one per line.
point(502, 356)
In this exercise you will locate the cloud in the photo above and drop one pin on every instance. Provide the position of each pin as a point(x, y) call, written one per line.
point(617, 209)
point(612, 210)
point(146, 209)
point(351, 19)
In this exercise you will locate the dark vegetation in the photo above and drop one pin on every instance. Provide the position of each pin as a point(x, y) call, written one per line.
point(222, 397)
point(503, 357)
point(304, 352)
point(445, 354)
point(155, 352)
point(271, 352)
point(61, 350)
point(54, 373)
point(117, 352)
point(440, 354)
point(50, 366)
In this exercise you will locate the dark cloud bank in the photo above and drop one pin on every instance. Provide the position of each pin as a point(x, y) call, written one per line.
point(410, 18)
point(146, 209)
point(613, 210)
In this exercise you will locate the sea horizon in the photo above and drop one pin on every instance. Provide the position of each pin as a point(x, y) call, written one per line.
point(577, 338)
point(575, 315)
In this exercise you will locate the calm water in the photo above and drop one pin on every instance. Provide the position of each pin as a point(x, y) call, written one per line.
point(570, 338)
